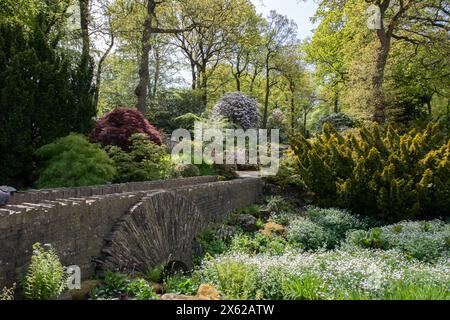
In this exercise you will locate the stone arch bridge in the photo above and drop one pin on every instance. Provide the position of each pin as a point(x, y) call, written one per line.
point(134, 225)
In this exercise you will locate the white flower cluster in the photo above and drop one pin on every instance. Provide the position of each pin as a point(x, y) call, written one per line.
point(423, 240)
point(370, 273)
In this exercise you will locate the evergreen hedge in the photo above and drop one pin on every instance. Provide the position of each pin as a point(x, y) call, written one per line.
point(377, 171)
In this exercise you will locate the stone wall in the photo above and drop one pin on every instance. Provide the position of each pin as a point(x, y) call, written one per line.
point(79, 222)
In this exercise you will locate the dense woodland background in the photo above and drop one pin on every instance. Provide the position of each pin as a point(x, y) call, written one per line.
point(64, 63)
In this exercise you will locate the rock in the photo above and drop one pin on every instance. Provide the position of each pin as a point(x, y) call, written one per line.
point(247, 222)
point(226, 232)
point(173, 296)
point(207, 292)
point(4, 198)
point(264, 214)
point(5, 194)
point(271, 228)
point(158, 288)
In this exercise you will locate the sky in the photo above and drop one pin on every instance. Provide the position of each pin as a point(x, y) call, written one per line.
point(297, 10)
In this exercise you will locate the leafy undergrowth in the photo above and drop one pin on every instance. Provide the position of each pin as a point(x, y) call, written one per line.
point(327, 254)
point(309, 254)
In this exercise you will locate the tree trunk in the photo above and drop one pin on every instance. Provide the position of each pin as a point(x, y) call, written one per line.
point(157, 73)
point(194, 76)
point(141, 90)
point(84, 26)
point(266, 100)
point(305, 115)
point(238, 82)
point(378, 101)
point(252, 83)
point(336, 102)
point(204, 87)
point(292, 89)
point(98, 77)
point(378, 98)
point(292, 114)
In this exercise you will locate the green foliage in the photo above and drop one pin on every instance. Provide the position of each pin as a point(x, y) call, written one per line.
point(186, 170)
point(187, 121)
point(258, 243)
point(278, 204)
point(211, 241)
point(8, 293)
point(235, 280)
point(378, 172)
point(425, 240)
point(323, 228)
point(287, 175)
point(175, 109)
point(180, 283)
point(45, 93)
point(72, 161)
point(339, 121)
point(306, 233)
point(156, 274)
point(141, 290)
point(113, 285)
point(145, 161)
point(45, 278)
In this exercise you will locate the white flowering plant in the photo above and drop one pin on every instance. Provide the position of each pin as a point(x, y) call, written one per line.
point(423, 240)
point(239, 109)
point(329, 275)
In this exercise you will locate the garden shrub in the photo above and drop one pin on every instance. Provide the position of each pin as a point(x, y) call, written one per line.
point(145, 161)
point(117, 127)
point(113, 285)
point(212, 241)
point(425, 240)
point(235, 280)
point(180, 283)
point(307, 233)
point(7, 294)
point(320, 228)
point(278, 204)
point(186, 170)
point(378, 172)
point(71, 162)
point(339, 121)
point(187, 121)
point(45, 278)
point(46, 93)
point(141, 290)
point(258, 243)
point(175, 108)
point(336, 223)
point(239, 109)
point(287, 175)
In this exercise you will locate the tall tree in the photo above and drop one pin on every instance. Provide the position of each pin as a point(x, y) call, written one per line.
point(150, 28)
point(279, 33)
point(215, 22)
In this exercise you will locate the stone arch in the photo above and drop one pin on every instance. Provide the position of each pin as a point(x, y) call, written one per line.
point(157, 230)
